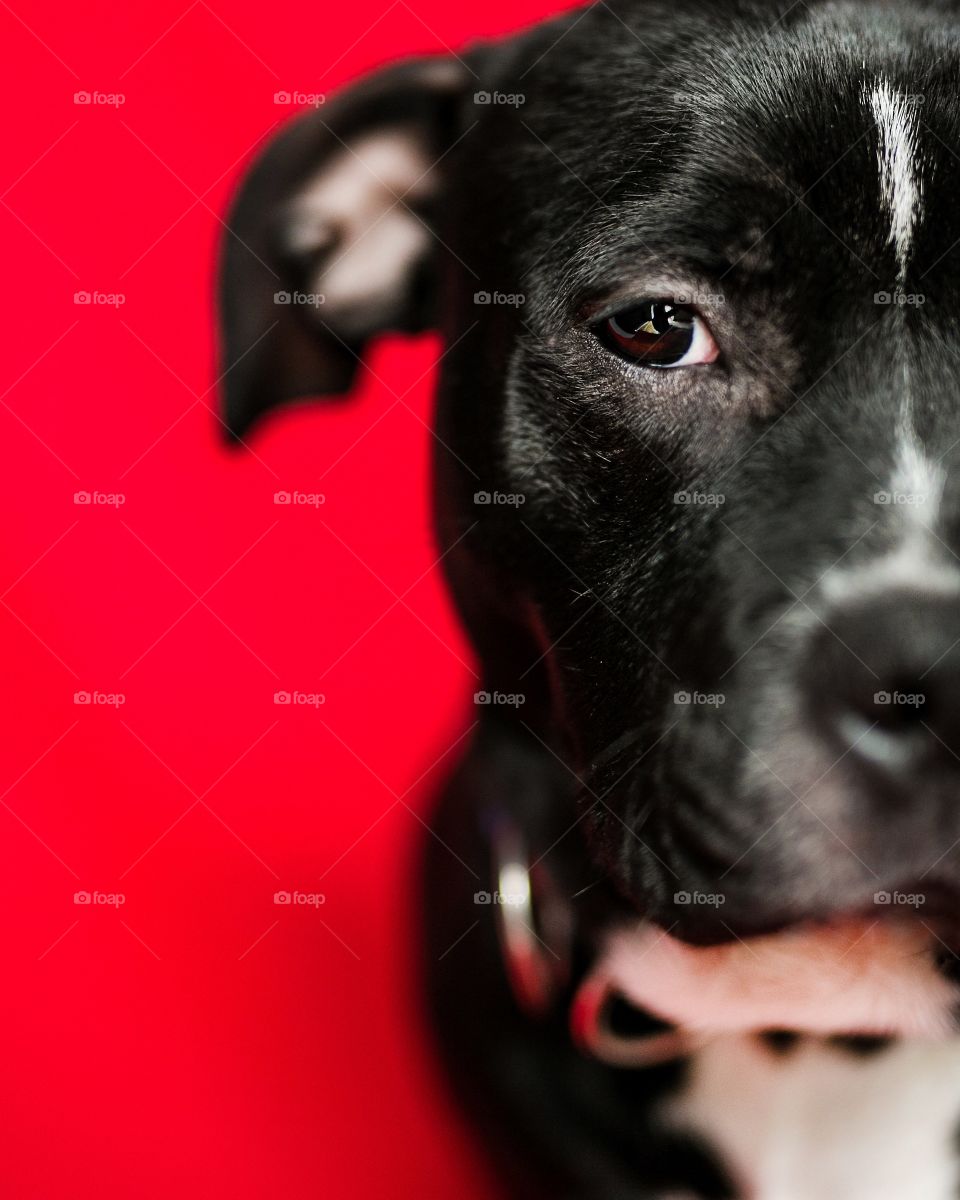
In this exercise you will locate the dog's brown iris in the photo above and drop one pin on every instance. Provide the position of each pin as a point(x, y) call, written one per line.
point(655, 332)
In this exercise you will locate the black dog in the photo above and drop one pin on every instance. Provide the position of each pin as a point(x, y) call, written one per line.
point(697, 265)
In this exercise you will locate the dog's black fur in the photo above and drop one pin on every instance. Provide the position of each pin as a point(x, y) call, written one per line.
point(723, 148)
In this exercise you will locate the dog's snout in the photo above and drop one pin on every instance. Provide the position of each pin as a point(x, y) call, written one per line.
point(883, 680)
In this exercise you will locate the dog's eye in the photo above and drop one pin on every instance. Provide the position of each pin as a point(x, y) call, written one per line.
point(659, 333)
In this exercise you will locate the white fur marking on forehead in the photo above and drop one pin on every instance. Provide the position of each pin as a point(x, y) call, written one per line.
point(900, 182)
point(917, 483)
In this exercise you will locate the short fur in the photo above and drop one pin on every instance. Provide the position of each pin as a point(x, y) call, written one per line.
point(714, 572)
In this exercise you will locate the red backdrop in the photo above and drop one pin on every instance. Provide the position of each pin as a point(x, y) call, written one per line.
point(182, 1034)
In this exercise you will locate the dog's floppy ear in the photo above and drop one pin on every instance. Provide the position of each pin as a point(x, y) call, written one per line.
point(329, 239)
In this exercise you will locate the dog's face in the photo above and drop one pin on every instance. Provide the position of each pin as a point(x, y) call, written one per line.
point(696, 267)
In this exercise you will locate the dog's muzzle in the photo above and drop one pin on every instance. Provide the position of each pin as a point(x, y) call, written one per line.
point(852, 975)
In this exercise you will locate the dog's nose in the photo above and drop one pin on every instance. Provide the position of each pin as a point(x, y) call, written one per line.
point(883, 677)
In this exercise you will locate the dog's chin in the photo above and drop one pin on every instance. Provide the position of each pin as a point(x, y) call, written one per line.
point(848, 975)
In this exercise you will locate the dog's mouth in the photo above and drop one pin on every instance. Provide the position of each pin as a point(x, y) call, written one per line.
point(888, 971)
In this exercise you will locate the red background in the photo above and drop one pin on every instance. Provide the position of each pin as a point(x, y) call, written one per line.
point(201, 1040)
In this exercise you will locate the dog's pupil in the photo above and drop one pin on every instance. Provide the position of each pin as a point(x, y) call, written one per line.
point(654, 318)
point(657, 332)
point(662, 317)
